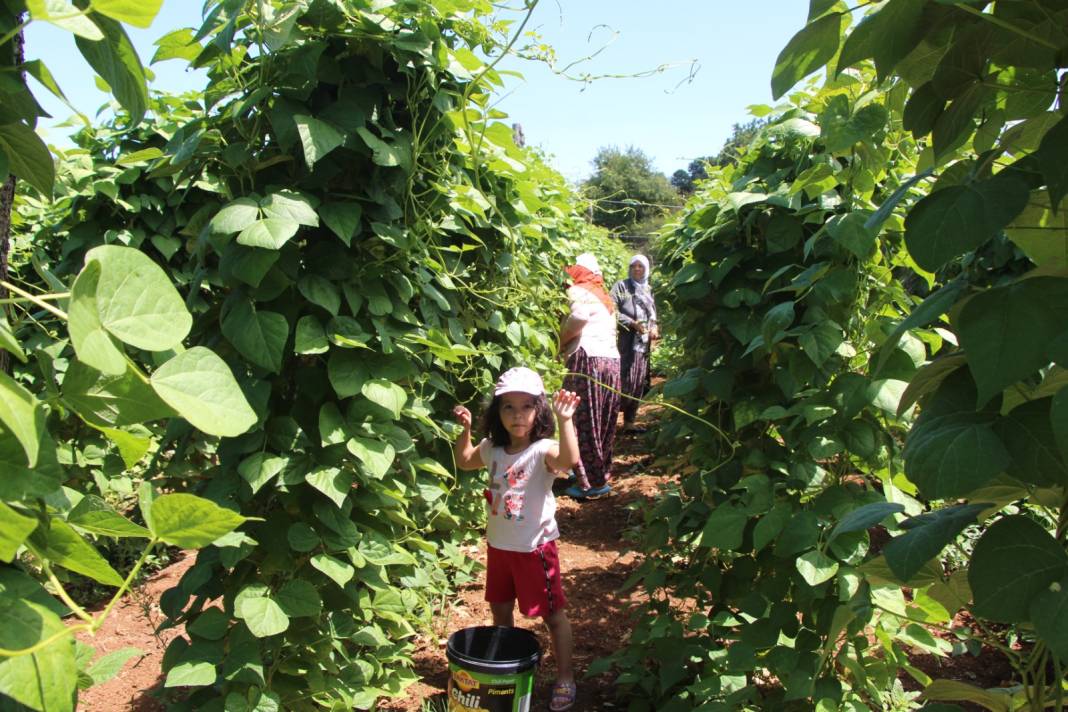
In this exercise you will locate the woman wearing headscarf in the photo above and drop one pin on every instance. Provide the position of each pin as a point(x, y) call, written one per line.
point(636, 314)
point(588, 342)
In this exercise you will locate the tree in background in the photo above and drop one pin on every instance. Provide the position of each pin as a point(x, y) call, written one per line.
point(626, 190)
point(685, 181)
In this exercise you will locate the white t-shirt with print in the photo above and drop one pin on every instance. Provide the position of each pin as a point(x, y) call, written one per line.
point(522, 513)
point(598, 337)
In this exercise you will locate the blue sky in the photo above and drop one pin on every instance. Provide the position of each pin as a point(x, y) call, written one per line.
point(670, 117)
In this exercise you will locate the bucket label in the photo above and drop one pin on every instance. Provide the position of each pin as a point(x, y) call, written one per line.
point(476, 692)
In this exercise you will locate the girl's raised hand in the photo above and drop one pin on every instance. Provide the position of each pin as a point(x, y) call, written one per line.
point(463, 416)
point(565, 403)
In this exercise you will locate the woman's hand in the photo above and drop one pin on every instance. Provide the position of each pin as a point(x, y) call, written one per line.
point(639, 327)
point(463, 416)
point(565, 403)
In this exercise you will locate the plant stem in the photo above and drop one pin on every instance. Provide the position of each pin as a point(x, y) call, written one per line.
point(125, 584)
point(39, 301)
point(60, 591)
point(67, 630)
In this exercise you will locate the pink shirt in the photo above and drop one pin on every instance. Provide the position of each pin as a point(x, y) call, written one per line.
point(522, 513)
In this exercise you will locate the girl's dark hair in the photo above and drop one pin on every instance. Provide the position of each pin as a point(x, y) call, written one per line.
point(544, 425)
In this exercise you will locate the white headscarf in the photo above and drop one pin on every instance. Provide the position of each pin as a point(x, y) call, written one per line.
point(589, 261)
point(645, 263)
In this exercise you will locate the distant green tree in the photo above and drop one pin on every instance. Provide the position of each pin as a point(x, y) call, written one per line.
point(685, 181)
point(626, 190)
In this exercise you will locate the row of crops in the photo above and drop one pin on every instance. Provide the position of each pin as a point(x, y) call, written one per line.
point(883, 381)
point(241, 320)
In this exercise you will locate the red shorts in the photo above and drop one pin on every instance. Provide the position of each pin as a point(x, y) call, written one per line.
point(531, 577)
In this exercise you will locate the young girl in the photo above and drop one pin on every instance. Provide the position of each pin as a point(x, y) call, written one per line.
point(522, 459)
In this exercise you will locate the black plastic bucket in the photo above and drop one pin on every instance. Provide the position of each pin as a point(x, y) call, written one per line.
point(491, 669)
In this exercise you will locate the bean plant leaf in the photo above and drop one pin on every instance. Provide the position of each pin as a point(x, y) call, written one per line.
point(957, 219)
point(260, 336)
point(886, 35)
point(951, 455)
point(386, 394)
point(1059, 420)
point(47, 678)
point(816, 567)
point(138, 13)
point(64, 547)
point(95, 515)
point(1049, 614)
point(935, 305)
point(260, 468)
point(14, 528)
point(298, 598)
point(22, 416)
point(65, 16)
point(27, 156)
point(93, 344)
point(864, 518)
point(1014, 561)
point(343, 219)
point(1027, 432)
point(1041, 233)
point(112, 401)
point(808, 50)
point(263, 616)
point(375, 456)
point(198, 384)
point(925, 536)
point(191, 522)
point(962, 691)
point(236, 216)
point(318, 138)
point(136, 301)
point(723, 529)
point(115, 59)
point(1051, 153)
point(109, 665)
point(1026, 315)
point(338, 571)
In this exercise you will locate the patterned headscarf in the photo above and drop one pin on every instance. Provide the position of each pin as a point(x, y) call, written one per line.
point(586, 273)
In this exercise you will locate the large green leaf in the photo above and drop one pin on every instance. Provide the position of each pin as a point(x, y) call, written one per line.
point(338, 571)
point(110, 665)
point(1049, 614)
point(1006, 331)
point(191, 522)
point(343, 219)
point(262, 614)
point(886, 35)
point(62, 546)
point(952, 455)
point(112, 401)
point(95, 515)
point(115, 59)
point(136, 301)
point(318, 138)
point(236, 216)
point(864, 518)
point(14, 528)
point(268, 233)
point(27, 156)
point(22, 416)
point(816, 567)
point(1028, 435)
point(723, 529)
point(1014, 561)
point(46, 679)
point(138, 13)
point(1041, 233)
point(198, 384)
point(808, 50)
point(64, 15)
point(298, 598)
point(966, 692)
point(23, 481)
point(925, 537)
point(93, 344)
point(960, 218)
point(933, 306)
point(375, 456)
point(385, 394)
point(260, 468)
point(1051, 153)
point(259, 336)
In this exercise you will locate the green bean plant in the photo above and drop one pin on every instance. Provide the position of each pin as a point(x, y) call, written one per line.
point(357, 236)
